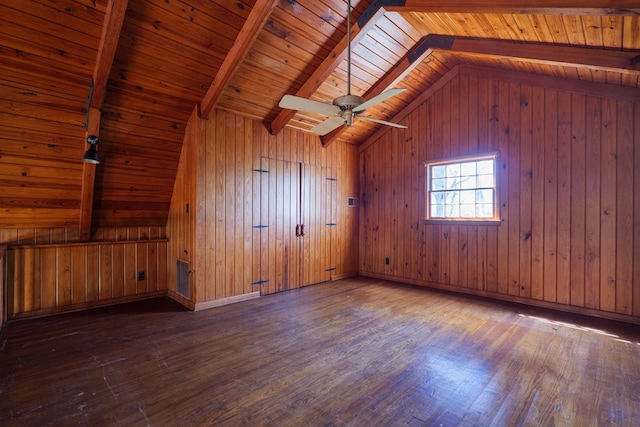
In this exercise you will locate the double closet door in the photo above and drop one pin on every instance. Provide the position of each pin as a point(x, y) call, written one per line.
point(295, 215)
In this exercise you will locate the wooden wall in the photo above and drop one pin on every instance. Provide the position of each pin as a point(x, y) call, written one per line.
point(3, 250)
point(569, 176)
point(218, 179)
point(47, 271)
point(45, 236)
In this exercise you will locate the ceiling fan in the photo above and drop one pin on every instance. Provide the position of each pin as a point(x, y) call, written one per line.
point(344, 108)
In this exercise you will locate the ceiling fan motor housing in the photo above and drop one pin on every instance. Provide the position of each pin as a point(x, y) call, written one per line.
point(348, 102)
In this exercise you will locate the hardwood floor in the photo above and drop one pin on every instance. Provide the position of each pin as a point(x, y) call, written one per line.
point(356, 352)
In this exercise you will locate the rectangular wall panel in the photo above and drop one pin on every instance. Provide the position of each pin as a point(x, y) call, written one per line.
point(55, 278)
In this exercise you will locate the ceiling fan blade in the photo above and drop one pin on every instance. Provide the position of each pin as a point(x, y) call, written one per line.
point(297, 103)
point(376, 99)
point(382, 122)
point(328, 125)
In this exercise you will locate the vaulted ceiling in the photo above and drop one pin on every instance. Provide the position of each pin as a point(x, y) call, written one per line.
point(133, 72)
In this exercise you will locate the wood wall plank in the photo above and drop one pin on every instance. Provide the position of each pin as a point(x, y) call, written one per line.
point(568, 180)
point(636, 212)
point(54, 278)
point(608, 206)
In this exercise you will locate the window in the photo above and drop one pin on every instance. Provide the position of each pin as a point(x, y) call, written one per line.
point(463, 189)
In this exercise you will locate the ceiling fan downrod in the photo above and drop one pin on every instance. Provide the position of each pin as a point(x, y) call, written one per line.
point(348, 102)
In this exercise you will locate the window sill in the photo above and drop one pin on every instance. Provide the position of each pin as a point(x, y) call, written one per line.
point(466, 222)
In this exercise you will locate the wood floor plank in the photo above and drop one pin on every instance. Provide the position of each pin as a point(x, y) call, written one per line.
point(351, 352)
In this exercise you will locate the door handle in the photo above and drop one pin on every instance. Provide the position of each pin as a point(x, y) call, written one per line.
point(302, 229)
point(297, 230)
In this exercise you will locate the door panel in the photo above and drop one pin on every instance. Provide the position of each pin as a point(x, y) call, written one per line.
point(294, 194)
point(316, 208)
point(280, 211)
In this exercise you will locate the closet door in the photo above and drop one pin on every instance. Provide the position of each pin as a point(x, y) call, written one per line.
point(296, 227)
point(280, 213)
point(316, 219)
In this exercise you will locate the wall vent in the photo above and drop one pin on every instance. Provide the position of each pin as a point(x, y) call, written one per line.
point(182, 278)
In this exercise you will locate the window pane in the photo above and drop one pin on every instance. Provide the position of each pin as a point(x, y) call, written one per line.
point(438, 171)
point(438, 184)
point(485, 167)
point(467, 211)
point(468, 168)
point(453, 211)
point(468, 182)
point(485, 180)
point(437, 198)
point(468, 197)
point(484, 211)
point(437, 211)
point(484, 196)
point(453, 169)
point(453, 183)
point(451, 197)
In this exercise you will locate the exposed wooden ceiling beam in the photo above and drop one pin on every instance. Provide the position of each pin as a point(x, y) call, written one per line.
point(540, 53)
point(88, 180)
point(113, 20)
point(544, 7)
point(253, 25)
point(330, 63)
point(403, 67)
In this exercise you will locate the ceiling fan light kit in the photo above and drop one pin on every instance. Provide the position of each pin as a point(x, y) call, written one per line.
point(344, 108)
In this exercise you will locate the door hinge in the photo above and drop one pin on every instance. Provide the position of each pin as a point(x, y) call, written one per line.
point(261, 170)
point(260, 226)
point(331, 179)
point(330, 269)
point(259, 282)
point(331, 224)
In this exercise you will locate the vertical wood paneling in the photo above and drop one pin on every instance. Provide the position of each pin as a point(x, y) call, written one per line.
point(504, 166)
point(636, 211)
point(592, 203)
point(624, 209)
point(234, 196)
point(568, 188)
point(563, 256)
point(537, 195)
point(526, 181)
point(55, 278)
point(92, 273)
point(513, 177)
point(63, 263)
point(472, 232)
point(492, 102)
point(550, 195)
point(78, 278)
point(608, 207)
point(47, 286)
point(578, 198)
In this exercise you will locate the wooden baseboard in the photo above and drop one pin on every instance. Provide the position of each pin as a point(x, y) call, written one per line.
point(84, 306)
point(187, 303)
point(224, 301)
point(510, 298)
point(344, 275)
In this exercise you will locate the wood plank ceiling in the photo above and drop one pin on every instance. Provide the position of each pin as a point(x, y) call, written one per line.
point(243, 56)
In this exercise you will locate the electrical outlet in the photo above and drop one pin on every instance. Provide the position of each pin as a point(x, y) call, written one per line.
point(140, 275)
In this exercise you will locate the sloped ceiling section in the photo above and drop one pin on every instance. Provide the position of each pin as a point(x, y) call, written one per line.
point(151, 62)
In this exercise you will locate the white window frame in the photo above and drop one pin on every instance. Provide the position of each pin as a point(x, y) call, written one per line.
point(495, 219)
